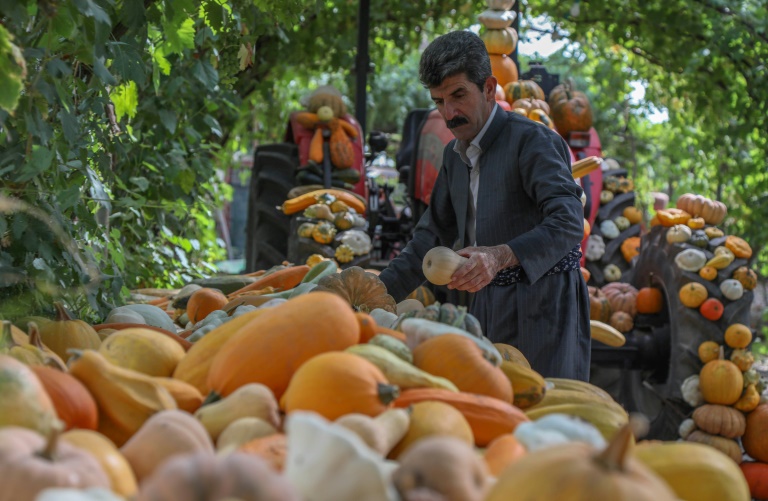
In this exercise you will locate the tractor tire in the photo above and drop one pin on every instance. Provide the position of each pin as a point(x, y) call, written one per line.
point(613, 255)
point(272, 177)
point(665, 346)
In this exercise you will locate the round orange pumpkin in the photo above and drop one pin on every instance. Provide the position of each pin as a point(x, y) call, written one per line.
point(502, 452)
point(708, 273)
point(633, 214)
point(571, 110)
point(693, 294)
point(630, 248)
point(622, 296)
point(708, 351)
point(738, 335)
point(204, 301)
point(721, 381)
point(337, 383)
point(650, 300)
point(712, 309)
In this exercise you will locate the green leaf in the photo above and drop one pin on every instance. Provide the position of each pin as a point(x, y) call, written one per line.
point(168, 119)
point(12, 72)
point(142, 183)
point(68, 197)
point(205, 73)
point(214, 14)
point(125, 97)
point(89, 8)
point(132, 14)
point(101, 71)
point(38, 162)
point(127, 62)
point(179, 36)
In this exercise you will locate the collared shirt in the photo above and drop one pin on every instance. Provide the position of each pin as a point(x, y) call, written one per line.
point(470, 154)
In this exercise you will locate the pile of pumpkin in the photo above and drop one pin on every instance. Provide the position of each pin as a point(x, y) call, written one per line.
point(331, 391)
point(334, 219)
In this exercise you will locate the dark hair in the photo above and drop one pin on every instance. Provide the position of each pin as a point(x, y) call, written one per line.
point(454, 53)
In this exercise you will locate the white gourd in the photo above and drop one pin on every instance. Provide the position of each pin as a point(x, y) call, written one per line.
point(440, 263)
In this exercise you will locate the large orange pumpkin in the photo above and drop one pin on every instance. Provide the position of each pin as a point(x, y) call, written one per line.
point(571, 110)
point(503, 68)
point(650, 300)
point(721, 381)
point(459, 359)
point(622, 297)
point(337, 383)
point(271, 347)
point(74, 404)
point(755, 438)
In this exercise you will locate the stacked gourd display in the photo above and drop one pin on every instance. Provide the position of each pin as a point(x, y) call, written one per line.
point(614, 241)
point(329, 223)
point(330, 391)
point(500, 39)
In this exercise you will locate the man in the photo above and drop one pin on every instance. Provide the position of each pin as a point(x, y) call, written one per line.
point(504, 198)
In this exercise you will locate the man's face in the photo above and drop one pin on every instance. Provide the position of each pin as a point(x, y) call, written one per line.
point(463, 106)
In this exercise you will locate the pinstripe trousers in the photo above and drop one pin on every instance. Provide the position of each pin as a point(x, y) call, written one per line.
point(542, 320)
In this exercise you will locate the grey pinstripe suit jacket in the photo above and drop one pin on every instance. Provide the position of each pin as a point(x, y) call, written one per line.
point(527, 199)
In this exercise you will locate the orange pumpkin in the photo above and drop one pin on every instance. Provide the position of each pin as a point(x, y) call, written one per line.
point(599, 307)
point(337, 383)
point(271, 347)
point(504, 69)
point(502, 452)
point(488, 417)
point(586, 274)
point(630, 248)
point(708, 351)
point(622, 297)
point(738, 246)
point(712, 309)
point(693, 294)
point(459, 359)
point(672, 216)
point(367, 326)
point(738, 335)
point(721, 381)
point(520, 89)
point(755, 438)
point(204, 301)
point(633, 214)
point(571, 110)
point(271, 448)
point(708, 273)
point(696, 223)
point(650, 300)
point(72, 400)
point(746, 276)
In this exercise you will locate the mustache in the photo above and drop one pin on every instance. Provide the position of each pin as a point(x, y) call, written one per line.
point(455, 122)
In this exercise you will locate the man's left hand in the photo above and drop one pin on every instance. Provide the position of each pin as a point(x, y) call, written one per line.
point(483, 264)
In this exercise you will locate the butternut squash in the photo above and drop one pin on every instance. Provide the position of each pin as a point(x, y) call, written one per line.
point(194, 367)
point(241, 431)
point(398, 371)
point(249, 400)
point(271, 348)
point(187, 397)
point(381, 433)
point(527, 385)
point(143, 350)
point(125, 398)
point(440, 263)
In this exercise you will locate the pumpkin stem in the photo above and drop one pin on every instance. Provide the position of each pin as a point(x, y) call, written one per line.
point(612, 457)
point(6, 336)
point(387, 393)
point(211, 398)
point(61, 313)
point(49, 452)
